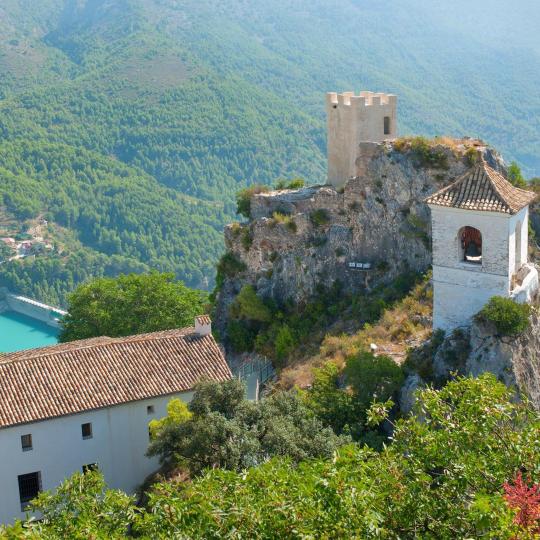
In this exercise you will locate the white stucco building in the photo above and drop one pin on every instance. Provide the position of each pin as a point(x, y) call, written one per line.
point(480, 241)
point(88, 403)
point(351, 120)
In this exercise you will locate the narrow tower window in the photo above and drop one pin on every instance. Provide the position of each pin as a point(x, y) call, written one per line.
point(387, 125)
point(471, 245)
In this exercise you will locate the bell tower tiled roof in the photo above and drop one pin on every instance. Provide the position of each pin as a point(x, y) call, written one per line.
point(482, 188)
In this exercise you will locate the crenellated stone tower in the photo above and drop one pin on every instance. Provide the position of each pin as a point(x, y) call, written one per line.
point(351, 120)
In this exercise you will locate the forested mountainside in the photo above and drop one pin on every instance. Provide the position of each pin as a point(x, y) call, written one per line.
point(129, 125)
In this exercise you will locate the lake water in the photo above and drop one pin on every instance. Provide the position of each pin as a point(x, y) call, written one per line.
point(18, 332)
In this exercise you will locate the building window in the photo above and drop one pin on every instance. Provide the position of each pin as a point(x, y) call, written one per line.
point(150, 409)
point(89, 467)
point(29, 487)
point(387, 125)
point(470, 245)
point(86, 430)
point(26, 442)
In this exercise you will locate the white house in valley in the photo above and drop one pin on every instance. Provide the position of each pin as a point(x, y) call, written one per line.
point(480, 240)
point(86, 404)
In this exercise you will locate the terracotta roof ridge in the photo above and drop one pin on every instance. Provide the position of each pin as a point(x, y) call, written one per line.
point(498, 176)
point(457, 182)
point(92, 343)
point(487, 170)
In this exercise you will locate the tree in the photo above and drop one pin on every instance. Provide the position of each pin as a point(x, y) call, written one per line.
point(341, 398)
point(130, 304)
point(464, 465)
point(229, 432)
point(515, 176)
point(177, 413)
point(442, 478)
point(80, 508)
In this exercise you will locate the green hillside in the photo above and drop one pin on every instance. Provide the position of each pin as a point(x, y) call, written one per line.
point(130, 124)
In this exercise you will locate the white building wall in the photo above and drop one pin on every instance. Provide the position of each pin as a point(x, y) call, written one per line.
point(521, 219)
point(119, 441)
point(458, 295)
point(461, 289)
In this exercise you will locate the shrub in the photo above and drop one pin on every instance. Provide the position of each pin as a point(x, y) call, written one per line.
point(295, 183)
point(247, 239)
point(471, 155)
point(373, 377)
point(424, 152)
point(243, 199)
point(249, 306)
point(284, 343)
point(319, 217)
point(288, 221)
point(228, 266)
point(241, 336)
point(509, 317)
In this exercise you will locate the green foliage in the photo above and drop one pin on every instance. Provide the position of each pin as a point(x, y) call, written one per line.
point(509, 317)
point(515, 176)
point(329, 400)
point(243, 199)
point(341, 399)
point(284, 343)
point(228, 266)
point(373, 378)
point(295, 183)
point(248, 305)
point(471, 155)
point(230, 432)
point(424, 151)
point(177, 413)
point(284, 219)
point(319, 217)
point(80, 508)
point(441, 478)
point(130, 304)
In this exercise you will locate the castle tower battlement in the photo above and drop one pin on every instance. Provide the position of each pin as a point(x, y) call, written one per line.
point(351, 120)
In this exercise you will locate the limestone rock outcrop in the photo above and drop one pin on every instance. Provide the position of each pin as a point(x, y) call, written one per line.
point(363, 235)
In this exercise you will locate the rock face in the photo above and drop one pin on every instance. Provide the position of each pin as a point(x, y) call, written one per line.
point(515, 361)
point(478, 348)
point(366, 234)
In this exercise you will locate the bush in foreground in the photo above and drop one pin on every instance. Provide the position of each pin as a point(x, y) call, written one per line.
point(451, 472)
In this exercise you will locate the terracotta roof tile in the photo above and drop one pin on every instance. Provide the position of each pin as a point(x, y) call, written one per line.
point(102, 372)
point(482, 188)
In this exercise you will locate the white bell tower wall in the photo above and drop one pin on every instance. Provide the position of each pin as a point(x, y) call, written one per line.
point(461, 288)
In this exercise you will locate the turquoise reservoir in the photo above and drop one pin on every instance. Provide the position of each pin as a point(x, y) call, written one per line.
point(18, 332)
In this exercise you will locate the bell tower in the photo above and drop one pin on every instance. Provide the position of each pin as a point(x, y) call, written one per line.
point(480, 240)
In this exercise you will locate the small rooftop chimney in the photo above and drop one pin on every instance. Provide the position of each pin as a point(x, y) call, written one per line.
point(203, 325)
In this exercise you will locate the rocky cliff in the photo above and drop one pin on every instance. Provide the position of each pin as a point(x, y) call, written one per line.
point(365, 234)
point(476, 349)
